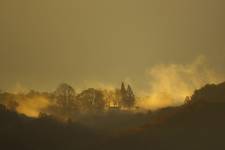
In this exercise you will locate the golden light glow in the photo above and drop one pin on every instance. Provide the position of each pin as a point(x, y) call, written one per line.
point(170, 84)
point(32, 106)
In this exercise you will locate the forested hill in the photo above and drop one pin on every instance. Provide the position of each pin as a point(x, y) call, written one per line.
point(18, 132)
point(210, 93)
point(198, 124)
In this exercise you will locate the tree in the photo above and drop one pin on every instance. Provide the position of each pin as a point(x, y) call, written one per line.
point(123, 90)
point(118, 97)
point(33, 93)
point(92, 100)
point(187, 100)
point(112, 97)
point(66, 98)
point(123, 93)
point(130, 97)
point(127, 96)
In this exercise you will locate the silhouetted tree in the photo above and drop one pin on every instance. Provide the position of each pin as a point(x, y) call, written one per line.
point(92, 100)
point(127, 96)
point(66, 98)
point(187, 100)
point(112, 97)
point(118, 96)
point(123, 93)
point(123, 90)
point(130, 97)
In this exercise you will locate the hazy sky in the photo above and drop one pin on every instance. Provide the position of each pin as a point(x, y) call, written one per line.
point(46, 42)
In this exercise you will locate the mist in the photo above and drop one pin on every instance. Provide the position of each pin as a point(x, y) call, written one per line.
point(33, 106)
point(112, 74)
point(170, 84)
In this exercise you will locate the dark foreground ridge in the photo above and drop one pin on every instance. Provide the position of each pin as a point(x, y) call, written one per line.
point(198, 124)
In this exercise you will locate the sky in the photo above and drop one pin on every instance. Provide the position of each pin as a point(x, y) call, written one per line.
point(46, 42)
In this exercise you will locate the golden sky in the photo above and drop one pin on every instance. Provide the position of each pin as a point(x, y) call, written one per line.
point(46, 42)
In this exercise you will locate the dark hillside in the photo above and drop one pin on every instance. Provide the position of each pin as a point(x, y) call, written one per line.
point(199, 124)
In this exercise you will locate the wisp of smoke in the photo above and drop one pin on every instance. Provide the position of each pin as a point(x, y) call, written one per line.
point(171, 83)
point(32, 106)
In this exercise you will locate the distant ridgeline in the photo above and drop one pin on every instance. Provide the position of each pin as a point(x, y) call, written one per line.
point(211, 93)
point(196, 125)
point(64, 102)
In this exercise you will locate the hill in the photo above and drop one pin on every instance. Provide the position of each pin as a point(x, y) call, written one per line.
point(198, 124)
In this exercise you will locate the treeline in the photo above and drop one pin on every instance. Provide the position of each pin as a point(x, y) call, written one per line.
point(196, 125)
point(65, 103)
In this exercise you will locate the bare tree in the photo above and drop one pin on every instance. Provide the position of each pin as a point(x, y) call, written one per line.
point(92, 100)
point(66, 98)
